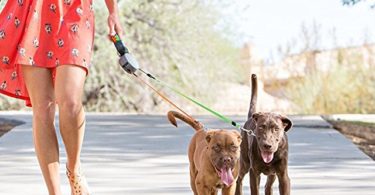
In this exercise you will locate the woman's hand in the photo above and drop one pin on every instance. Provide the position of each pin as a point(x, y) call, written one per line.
point(114, 24)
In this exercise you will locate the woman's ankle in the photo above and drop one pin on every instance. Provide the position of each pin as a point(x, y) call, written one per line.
point(73, 168)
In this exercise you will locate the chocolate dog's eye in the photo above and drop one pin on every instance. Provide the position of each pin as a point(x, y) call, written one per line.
point(262, 127)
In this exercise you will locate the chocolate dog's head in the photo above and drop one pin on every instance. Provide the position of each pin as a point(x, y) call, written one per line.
point(224, 150)
point(269, 131)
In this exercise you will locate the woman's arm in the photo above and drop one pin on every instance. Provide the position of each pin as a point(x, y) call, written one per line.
point(113, 18)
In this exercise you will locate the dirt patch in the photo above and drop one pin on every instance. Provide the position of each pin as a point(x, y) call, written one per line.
point(360, 133)
point(6, 125)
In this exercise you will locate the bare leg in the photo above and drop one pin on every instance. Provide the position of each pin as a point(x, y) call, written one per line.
point(68, 89)
point(40, 88)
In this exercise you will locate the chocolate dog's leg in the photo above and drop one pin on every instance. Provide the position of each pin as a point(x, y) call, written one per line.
point(284, 182)
point(268, 187)
point(254, 182)
point(244, 163)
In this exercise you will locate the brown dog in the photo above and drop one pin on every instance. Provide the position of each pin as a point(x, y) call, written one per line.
point(265, 152)
point(214, 158)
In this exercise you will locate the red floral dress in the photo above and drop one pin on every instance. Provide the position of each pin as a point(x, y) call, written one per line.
point(43, 33)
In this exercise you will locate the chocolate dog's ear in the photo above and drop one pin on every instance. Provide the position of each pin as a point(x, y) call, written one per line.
point(256, 115)
point(287, 123)
point(209, 136)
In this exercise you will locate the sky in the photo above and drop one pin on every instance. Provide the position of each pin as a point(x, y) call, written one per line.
point(268, 24)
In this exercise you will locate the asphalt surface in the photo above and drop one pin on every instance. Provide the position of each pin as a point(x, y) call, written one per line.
point(145, 155)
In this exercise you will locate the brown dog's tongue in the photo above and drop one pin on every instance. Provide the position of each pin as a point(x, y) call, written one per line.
point(267, 156)
point(226, 176)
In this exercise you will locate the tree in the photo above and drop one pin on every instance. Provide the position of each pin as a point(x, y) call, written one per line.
point(175, 40)
point(353, 2)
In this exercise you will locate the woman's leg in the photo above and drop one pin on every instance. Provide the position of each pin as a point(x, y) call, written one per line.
point(68, 90)
point(40, 87)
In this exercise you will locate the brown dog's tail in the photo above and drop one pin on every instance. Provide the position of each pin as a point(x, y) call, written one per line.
point(254, 95)
point(172, 115)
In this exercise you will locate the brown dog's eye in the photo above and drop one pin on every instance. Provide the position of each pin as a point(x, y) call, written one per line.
point(216, 148)
point(233, 148)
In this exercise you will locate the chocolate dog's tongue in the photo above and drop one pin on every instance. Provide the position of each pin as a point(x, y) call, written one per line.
point(267, 156)
point(226, 176)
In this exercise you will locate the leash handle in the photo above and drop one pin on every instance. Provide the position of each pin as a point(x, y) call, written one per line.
point(120, 47)
point(126, 61)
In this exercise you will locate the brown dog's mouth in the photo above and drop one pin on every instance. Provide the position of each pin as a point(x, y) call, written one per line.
point(225, 174)
point(267, 156)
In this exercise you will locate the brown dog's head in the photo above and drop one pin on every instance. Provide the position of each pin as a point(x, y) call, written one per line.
point(224, 150)
point(269, 131)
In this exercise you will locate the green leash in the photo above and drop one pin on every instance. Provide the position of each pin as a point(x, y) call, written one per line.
point(218, 115)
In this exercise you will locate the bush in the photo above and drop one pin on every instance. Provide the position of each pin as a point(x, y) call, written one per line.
point(341, 90)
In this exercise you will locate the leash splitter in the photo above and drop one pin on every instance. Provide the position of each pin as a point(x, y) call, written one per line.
point(130, 65)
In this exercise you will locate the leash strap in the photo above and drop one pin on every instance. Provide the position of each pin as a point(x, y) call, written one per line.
point(218, 115)
point(162, 96)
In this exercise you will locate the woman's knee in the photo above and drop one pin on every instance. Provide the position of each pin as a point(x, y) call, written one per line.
point(70, 106)
point(44, 111)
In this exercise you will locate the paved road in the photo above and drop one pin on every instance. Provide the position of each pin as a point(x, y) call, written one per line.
point(145, 155)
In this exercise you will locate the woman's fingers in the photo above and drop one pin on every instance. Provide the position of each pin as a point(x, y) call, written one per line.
point(114, 25)
point(118, 29)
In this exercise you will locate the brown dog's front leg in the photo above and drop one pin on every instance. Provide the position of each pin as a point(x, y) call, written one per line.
point(254, 182)
point(202, 189)
point(229, 190)
point(193, 176)
point(284, 183)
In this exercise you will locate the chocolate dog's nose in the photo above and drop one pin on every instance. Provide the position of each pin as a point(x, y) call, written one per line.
point(267, 146)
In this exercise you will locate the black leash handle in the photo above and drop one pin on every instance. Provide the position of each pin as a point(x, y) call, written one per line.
point(121, 48)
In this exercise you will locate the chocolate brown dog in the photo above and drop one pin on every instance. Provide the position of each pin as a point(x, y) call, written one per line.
point(214, 158)
point(265, 152)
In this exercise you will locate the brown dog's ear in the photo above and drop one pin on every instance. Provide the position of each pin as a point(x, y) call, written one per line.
point(209, 136)
point(287, 123)
point(238, 135)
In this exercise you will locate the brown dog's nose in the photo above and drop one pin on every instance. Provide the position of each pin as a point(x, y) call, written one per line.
point(267, 146)
point(227, 160)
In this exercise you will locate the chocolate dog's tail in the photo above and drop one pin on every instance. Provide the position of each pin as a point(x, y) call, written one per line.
point(254, 95)
point(172, 115)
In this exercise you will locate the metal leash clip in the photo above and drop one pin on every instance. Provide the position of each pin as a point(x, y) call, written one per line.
point(127, 61)
point(248, 131)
